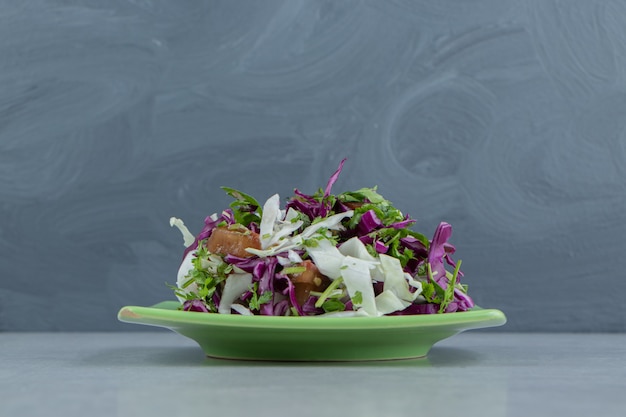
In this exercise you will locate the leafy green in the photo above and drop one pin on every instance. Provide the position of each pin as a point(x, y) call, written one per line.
point(431, 290)
point(332, 305)
point(392, 239)
point(246, 208)
point(257, 300)
point(357, 299)
point(328, 291)
point(448, 295)
point(369, 199)
point(434, 293)
point(428, 292)
point(294, 270)
point(364, 194)
point(207, 273)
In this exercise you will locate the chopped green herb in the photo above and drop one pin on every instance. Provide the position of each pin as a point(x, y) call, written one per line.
point(256, 301)
point(448, 295)
point(332, 305)
point(327, 292)
point(294, 270)
point(245, 208)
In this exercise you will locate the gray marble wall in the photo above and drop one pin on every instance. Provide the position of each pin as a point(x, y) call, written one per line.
point(504, 118)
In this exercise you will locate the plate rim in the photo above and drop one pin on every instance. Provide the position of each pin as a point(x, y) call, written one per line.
point(161, 314)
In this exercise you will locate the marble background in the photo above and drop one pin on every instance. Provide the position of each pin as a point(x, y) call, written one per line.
point(504, 118)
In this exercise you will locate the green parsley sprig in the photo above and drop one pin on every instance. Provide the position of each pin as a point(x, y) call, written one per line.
point(246, 208)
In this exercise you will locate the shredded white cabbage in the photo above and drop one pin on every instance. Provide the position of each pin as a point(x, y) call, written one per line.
point(326, 257)
point(360, 269)
point(188, 238)
point(332, 223)
point(388, 302)
point(356, 277)
point(283, 230)
point(291, 258)
point(210, 264)
point(236, 285)
point(396, 280)
point(244, 311)
point(355, 248)
point(181, 277)
point(271, 214)
point(294, 257)
point(275, 233)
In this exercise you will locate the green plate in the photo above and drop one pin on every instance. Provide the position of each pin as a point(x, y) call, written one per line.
point(312, 338)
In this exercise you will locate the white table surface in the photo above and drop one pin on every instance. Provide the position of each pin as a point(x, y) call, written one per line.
point(164, 374)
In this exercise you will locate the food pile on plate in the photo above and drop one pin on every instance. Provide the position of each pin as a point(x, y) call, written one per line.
point(350, 254)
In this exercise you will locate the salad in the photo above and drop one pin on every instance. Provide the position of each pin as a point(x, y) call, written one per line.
point(350, 254)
